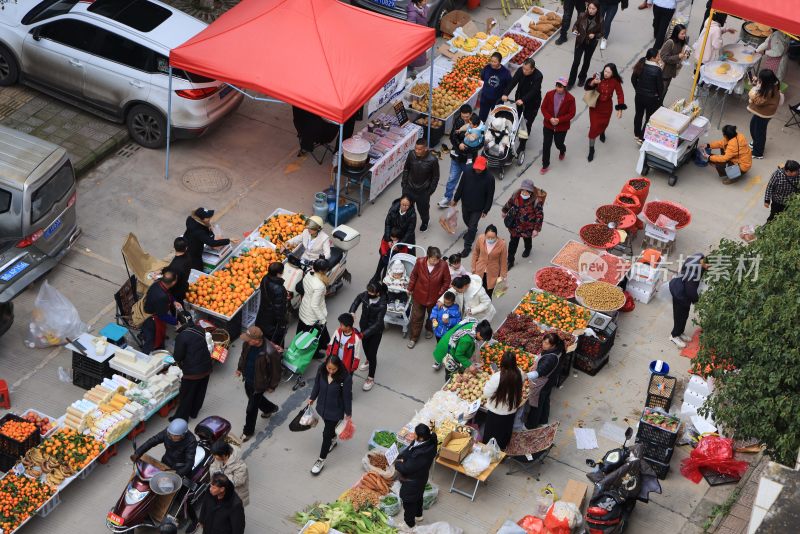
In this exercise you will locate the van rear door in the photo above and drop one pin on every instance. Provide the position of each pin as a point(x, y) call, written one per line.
point(51, 213)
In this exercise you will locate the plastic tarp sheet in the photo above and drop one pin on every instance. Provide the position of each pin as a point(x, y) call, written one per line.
point(324, 56)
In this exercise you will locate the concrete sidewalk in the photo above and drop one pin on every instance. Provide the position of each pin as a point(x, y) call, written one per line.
point(87, 138)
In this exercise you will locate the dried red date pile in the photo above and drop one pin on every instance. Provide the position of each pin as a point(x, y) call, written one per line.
point(520, 331)
point(677, 214)
point(597, 234)
point(556, 281)
point(611, 213)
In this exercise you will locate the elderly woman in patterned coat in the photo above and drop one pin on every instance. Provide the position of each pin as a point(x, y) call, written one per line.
point(523, 216)
point(606, 83)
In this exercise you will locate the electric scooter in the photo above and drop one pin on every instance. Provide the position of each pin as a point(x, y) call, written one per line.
point(151, 479)
point(620, 479)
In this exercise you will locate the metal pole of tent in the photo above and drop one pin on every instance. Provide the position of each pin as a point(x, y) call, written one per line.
point(338, 176)
point(430, 97)
point(169, 119)
point(702, 51)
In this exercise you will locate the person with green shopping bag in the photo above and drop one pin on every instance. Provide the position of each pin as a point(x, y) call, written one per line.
point(454, 351)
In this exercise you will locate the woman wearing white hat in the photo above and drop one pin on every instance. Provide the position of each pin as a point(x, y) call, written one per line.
point(316, 243)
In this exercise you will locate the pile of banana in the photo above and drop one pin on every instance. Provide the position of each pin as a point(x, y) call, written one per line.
point(507, 46)
point(37, 463)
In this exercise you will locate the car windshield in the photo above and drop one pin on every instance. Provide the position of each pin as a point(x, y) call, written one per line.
point(138, 14)
point(48, 9)
point(53, 190)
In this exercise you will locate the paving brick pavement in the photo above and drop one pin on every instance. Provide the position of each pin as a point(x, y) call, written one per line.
point(87, 138)
point(738, 519)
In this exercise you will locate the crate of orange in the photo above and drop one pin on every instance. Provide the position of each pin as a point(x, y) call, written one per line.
point(282, 226)
point(549, 310)
point(223, 292)
point(72, 449)
point(17, 435)
point(492, 353)
point(20, 498)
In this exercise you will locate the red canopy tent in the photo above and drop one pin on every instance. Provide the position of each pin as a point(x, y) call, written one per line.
point(781, 14)
point(324, 56)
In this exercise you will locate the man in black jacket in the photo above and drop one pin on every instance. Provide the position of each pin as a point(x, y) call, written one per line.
point(683, 289)
point(420, 178)
point(182, 265)
point(460, 154)
point(271, 318)
point(414, 465)
point(192, 356)
point(528, 82)
point(477, 191)
point(180, 447)
point(222, 511)
point(198, 234)
point(159, 306)
point(373, 302)
point(260, 368)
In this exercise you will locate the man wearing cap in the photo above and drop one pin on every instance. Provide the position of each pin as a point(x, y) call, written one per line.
point(523, 216)
point(198, 234)
point(476, 193)
point(192, 356)
point(558, 109)
point(420, 178)
point(180, 447)
point(260, 368)
point(316, 243)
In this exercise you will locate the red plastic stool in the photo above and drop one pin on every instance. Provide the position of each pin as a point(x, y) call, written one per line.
point(5, 397)
point(164, 410)
point(138, 429)
point(108, 454)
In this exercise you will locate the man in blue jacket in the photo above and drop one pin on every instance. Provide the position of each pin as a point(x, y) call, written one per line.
point(683, 289)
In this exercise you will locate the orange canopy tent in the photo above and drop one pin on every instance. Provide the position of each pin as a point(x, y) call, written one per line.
point(323, 56)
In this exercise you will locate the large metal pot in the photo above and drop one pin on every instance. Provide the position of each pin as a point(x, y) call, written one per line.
point(355, 152)
point(747, 35)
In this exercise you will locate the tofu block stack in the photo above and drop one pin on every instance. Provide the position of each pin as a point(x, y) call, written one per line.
point(139, 366)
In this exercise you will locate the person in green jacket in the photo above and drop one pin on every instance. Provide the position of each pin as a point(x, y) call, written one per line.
point(457, 346)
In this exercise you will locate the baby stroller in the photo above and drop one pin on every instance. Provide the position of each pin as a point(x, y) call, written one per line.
point(400, 315)
point(299, 354)
point(501, 137)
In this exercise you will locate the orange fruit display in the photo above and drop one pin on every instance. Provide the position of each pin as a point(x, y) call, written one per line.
point(224, 291)
point(18, 430)
point(553, 311)
point(71, 449)
point(279, 229)
point(20, 497)
point(492, 353)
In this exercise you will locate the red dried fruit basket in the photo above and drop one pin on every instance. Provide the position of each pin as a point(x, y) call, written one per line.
point(666, 204)
point(566, 272)
point(615, 239)
point(628, 220)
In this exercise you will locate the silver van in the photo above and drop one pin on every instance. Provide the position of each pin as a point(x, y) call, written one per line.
point(38, 222)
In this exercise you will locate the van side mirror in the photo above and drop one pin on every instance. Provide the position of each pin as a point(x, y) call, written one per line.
point(36, 33)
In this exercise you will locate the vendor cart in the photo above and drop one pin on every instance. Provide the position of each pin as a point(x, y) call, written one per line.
point(654, 155)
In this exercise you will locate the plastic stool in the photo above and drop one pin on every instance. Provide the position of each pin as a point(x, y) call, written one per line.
point(5, 397)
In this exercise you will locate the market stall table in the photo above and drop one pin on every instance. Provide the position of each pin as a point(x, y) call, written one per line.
point(716, 86)
point(741, 53)
point(653, 155)
point(459, 470)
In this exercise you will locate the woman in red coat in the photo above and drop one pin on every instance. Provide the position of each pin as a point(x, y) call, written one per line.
point(430, 278)
point(606, 84)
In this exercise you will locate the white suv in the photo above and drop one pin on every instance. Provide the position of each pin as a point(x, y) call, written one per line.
point(110, 57)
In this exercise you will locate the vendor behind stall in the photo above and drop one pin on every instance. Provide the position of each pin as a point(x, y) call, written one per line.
point(199, 233)
point(155, 311)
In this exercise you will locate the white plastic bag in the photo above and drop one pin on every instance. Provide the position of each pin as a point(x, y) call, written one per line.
point(449, 220)
point(440, 527)
point(309, 418)
point(54, 319)
point(493, 449)
point(476, 463)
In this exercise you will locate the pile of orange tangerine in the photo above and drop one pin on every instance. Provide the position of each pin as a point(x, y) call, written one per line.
point(279, 229)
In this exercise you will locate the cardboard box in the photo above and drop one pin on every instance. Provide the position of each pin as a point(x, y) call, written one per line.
point(661, 137)
point(456, 456)
point(453, 20)
point(662, 234)
point(641, 292)
point(575, 492)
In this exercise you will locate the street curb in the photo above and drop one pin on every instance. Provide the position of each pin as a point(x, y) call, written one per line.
point(739, 486)
point(96, 157)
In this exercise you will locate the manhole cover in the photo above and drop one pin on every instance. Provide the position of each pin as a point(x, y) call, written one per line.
point(206, 180)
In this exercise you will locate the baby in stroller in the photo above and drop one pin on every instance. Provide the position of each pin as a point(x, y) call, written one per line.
point(498, 138)
point(396, 281)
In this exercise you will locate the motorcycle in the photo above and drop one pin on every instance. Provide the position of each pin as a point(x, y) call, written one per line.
point(620, 479)
point(344, 238)
point(151, 480)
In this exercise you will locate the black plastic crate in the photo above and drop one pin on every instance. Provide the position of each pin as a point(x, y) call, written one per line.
point(595, 347)
point(7, 462)
point(85, 380)
point(656, 451)
point(660, 468)
point(89, 365)
point(436, 133)
point(660, 391)
point(590, 366)
point(656, 435)
point(12, 447)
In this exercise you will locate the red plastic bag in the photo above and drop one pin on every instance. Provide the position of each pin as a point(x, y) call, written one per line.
point(532, 524)
point(715, 453)
point(554, 525)
point(346, 429)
